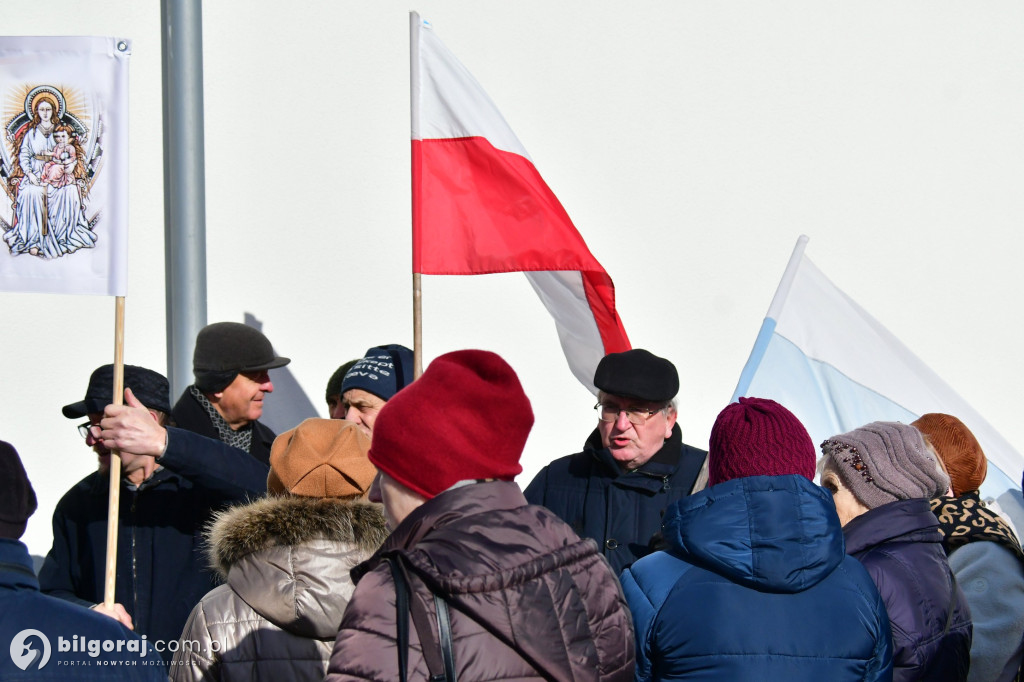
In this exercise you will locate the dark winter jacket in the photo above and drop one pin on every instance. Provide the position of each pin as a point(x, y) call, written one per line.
point(900, 545)
point(161, 570)
point(189, 414)
point(286, 561)
point(757, 586)
point(528, 598)
point(986, 558)
point(29, 615)
point(622, 511)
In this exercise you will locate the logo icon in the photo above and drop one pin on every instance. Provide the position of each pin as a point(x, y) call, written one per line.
point(24, 655)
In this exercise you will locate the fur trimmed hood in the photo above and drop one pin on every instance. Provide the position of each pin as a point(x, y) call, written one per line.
point(290, 520)
point(288, 560)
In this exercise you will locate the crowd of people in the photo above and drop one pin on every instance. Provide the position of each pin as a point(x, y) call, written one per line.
point(391, 541)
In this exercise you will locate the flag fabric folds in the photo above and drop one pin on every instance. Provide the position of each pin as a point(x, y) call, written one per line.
point(480, 206)
point(64, 165)
point(836, 368)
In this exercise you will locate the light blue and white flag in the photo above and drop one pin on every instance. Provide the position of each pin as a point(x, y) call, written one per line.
point(836, 368)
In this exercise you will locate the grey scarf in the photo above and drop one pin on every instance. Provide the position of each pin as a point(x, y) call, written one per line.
point(241, 439)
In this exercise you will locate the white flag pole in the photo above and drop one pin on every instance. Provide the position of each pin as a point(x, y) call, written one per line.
point(768, 326)
point(114, 497)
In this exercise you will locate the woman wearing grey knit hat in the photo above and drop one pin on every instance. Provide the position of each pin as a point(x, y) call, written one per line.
point(881, 477)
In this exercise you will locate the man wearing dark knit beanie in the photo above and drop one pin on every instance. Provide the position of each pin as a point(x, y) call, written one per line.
point(756, 583)
point(496, 589)
point(633, 466)
point(373, 380)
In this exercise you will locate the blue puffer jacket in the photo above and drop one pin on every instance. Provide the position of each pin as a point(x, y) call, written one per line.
point(62, 634)
point(756, 585)
point(900, 545)
point(621, 510)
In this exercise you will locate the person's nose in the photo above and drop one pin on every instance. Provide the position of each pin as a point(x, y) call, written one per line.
point(353, 415)
point(622, 422)
point(374, 494)
point(91, 439)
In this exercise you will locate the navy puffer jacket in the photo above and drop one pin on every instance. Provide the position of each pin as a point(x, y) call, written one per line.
point(900, 545)
point(757, 585)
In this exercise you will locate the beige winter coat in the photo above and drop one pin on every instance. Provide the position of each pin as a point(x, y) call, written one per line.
point(286, 561)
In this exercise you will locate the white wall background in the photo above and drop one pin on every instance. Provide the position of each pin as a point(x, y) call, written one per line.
point(690, 142)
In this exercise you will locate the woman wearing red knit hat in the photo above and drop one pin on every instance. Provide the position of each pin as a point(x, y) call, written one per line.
point(494, 588)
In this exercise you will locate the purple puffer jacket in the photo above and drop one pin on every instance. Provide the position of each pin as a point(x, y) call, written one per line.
point(529, 599)
point(900, 545)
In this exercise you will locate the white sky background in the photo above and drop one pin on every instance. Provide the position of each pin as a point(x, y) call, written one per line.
point(691, 143)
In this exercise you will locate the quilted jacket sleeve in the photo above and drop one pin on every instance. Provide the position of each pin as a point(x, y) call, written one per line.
point(644, 613)
point(192, 664)
point(365, 648)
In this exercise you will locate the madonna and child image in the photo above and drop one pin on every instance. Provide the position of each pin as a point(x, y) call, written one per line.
point(49, 162)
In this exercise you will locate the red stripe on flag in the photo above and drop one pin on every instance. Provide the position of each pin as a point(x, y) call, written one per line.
point(601, 295)
point(477, 210)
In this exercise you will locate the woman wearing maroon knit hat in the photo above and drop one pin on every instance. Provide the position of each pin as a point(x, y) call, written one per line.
point(756, 583)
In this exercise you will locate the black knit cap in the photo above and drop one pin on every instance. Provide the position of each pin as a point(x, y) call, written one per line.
point(150, 387)
point(225, 349)
point(637, 374)
point(17, 499)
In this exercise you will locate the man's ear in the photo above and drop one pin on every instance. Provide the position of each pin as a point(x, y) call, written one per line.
point(670, 421)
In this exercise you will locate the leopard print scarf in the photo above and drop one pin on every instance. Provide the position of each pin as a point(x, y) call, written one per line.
point(965, 519)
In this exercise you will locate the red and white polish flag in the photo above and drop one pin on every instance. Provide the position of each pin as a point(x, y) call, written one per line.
point(480, 206)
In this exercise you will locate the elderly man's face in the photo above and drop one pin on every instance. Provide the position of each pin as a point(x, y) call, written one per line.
point(95, 443)
point(631, 445)
point(361, 407)
point(242, 401)
point(398, 500)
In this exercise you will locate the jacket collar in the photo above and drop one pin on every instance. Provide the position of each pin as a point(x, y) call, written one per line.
point(664, 463)
point(289, 520)
point(101, 481)
point(449, 506)
point(16, 566)
point(907, 520)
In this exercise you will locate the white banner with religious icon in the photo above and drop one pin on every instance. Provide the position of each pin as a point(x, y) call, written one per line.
point(64, 164)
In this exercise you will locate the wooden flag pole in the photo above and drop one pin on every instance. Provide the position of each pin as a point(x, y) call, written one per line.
point(414, 116)
point(417, 327)
point(114, 500)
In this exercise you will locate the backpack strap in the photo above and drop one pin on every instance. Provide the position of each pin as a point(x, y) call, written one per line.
point(401, 616)
point(435, 644)
point(444, 630)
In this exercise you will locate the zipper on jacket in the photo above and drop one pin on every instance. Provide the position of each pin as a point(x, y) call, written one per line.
point(135, 576)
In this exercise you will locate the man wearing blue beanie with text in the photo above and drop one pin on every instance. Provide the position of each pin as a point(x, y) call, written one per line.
point(374, 380)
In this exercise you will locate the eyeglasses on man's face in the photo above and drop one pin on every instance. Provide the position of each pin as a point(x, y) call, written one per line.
point(638, 416)
point(85, 430)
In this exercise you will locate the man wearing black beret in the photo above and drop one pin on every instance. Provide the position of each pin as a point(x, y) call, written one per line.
point(230, 365)
point(633, 466)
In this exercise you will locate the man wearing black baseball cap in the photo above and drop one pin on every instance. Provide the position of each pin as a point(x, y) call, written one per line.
point(171, 482)
point(634, 464)
point(230, 364)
